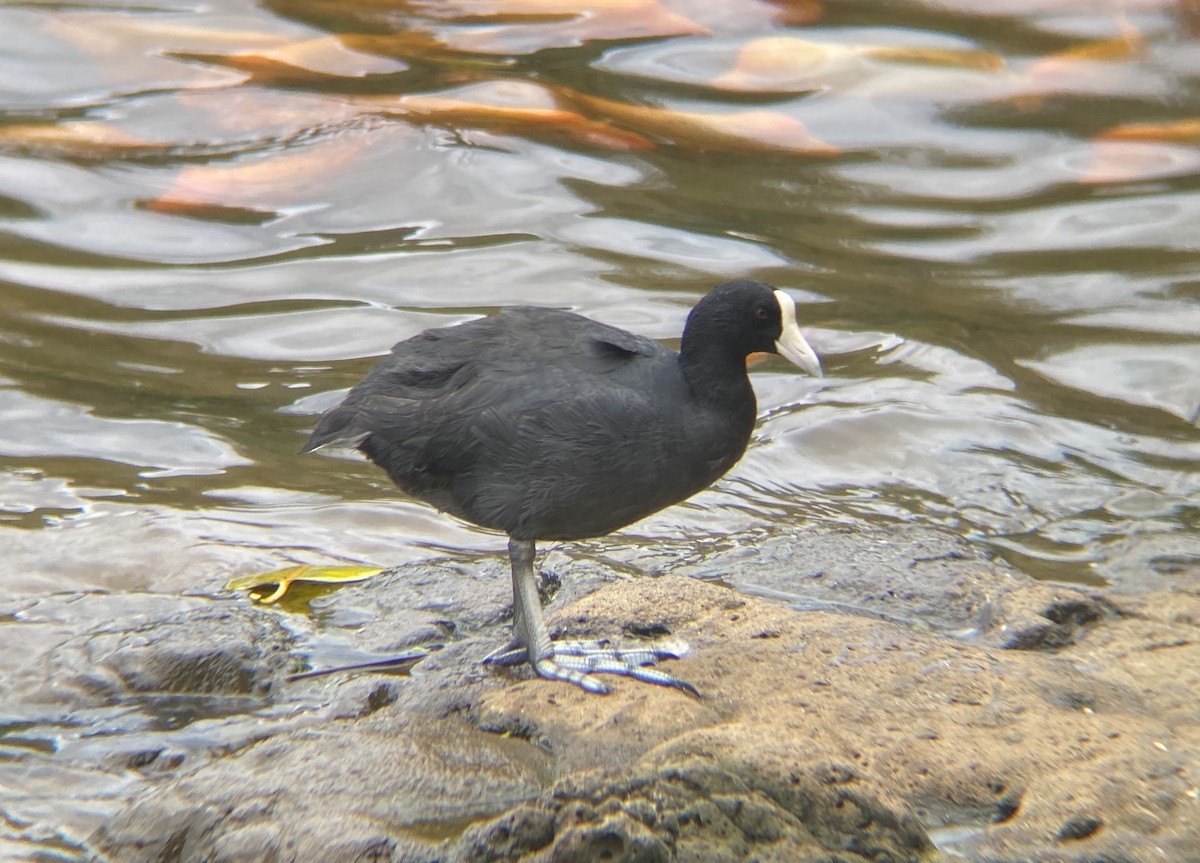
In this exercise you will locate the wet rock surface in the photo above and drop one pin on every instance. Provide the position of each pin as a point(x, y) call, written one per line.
point(913, 576)
point(897, 697)
point(335, 793)
point(93, 650)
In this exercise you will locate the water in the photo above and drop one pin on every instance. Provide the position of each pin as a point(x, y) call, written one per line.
point(207, 229)
point(201, 242)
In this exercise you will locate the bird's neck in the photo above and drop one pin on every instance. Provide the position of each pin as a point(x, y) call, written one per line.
point(716, 375)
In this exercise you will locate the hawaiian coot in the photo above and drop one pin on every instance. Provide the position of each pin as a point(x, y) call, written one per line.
point(550, 426)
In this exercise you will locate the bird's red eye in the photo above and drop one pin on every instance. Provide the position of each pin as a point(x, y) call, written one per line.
point(761, 313)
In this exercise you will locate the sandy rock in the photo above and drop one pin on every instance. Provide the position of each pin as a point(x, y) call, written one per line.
point(703, 809)
point(962, 734)
point(1056, 725)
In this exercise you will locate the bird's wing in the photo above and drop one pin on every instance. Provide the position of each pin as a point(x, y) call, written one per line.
point(582, 465)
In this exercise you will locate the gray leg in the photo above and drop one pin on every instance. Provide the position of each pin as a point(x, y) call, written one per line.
point(572, 661)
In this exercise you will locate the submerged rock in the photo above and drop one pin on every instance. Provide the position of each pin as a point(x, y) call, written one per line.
point(366, 790)
point(101, 649)
point(101, 693)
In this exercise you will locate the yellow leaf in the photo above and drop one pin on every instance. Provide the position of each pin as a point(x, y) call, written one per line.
point(284, 578)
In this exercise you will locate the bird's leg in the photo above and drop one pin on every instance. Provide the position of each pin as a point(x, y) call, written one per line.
point(572, 661)
point(529, 626)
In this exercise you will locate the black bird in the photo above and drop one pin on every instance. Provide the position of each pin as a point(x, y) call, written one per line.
point(551, 426)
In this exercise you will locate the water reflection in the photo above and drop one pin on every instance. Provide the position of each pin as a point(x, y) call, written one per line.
point(213, 221)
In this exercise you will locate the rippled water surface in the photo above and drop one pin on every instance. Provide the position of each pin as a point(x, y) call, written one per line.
point(214, 217)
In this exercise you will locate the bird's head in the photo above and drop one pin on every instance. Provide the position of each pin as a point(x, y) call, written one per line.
point(753, 317)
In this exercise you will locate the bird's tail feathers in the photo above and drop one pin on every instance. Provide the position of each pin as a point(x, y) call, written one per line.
point(340, 428)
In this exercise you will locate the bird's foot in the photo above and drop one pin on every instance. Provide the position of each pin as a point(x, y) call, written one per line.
point(577, 661)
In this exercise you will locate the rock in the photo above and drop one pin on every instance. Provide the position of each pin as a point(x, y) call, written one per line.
point(1079, 827)
point(418, 603)
point(891, 690)
point(147, 649)
point(209, 651)
point(820, 735)
point(961, 734)
point(1141, 780)
point(701, 810)
point(912, 575)
point(102, 693)
point(348, 791)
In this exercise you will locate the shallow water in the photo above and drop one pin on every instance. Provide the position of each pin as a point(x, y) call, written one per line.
point(213, 219)
point(210, 227)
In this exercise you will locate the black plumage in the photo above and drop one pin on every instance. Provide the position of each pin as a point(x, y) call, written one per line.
point(550, 426)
